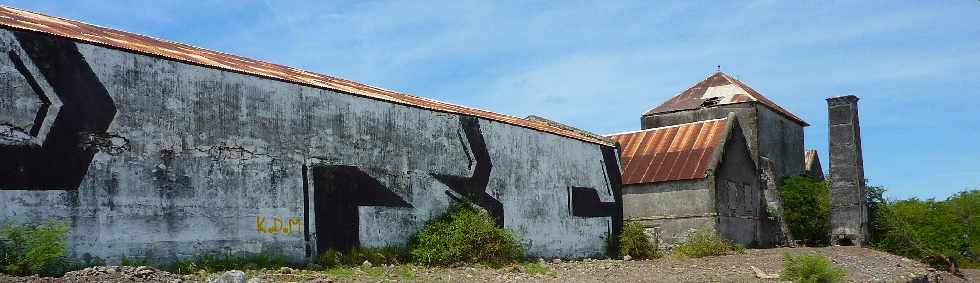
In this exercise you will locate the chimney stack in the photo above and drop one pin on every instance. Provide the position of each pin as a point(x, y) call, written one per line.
point(848, 210)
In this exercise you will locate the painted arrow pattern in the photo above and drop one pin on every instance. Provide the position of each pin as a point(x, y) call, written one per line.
point(80, 106)
point(474, 187)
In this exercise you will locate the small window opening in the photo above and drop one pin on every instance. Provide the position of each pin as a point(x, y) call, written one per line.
point(711, 102)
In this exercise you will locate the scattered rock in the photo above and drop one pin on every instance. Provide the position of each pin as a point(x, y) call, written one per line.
point(762, 275)
point(863, 265)
point(627, 257)
point(556, 261)
point(286, 270)
point(366, 264)
point(231, 276)
point(142, 271)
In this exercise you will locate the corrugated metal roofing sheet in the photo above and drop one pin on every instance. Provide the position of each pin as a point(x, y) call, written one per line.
point(721, 89)
point(680, 152)
point(25, 20)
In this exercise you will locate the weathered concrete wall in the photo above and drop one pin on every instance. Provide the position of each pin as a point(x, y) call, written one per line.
point(848, 210)
point(767, 132)
point(811, 165)
point(738, 197)
point(144, 154)
point(671, 209)
point(781, 140)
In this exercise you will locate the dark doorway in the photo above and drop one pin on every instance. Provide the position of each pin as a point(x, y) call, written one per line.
point(338, 191)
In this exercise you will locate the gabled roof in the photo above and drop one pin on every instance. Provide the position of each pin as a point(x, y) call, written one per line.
point(680, 152)
point(718, 89)
point(87, 33)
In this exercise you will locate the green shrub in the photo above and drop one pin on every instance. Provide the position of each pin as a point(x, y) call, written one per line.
point(633, 241)
point(810, 268)
point(806, 209)
point(331, 258)
point(464, 234)
point(937, 232)
point(26, 249)
point(702, 243)
point(145, 260)
point(358, 255)
point(218, 263)
point(535, 268)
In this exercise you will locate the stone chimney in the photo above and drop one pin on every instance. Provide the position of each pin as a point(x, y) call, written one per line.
point(848, 210)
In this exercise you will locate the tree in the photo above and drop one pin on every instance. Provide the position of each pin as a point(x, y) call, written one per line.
point(806, 208)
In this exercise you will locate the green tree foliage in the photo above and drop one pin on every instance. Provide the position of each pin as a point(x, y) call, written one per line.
point(810, 268)
point(966, 209)
point(806, 209)
point(633, 241)
point(464, 234)
point(928, 230)
point(27, 249)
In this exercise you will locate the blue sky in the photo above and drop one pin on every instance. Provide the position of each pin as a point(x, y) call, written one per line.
point(598, 65)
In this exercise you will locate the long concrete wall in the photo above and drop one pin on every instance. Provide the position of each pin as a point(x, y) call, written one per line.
point(142, 154)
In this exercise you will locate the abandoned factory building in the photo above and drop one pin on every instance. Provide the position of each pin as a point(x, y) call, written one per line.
point(693, 175)
point(683, 172)
point(771, 131)
point(150, 146)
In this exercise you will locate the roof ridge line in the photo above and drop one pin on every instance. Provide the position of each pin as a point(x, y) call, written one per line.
point(739, 84)
point(685, 90)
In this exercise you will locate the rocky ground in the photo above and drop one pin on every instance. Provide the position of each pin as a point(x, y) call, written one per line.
point(862, 265)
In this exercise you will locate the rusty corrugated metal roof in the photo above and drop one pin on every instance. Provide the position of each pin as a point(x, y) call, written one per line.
point(721, 89)
point(25, 20)
point(680, 152)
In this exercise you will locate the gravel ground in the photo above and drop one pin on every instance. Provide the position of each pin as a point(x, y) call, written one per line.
point(106, 274)
point(862, 265)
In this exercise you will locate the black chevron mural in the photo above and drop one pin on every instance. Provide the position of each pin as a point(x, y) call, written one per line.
point(338, 192)
point(474, 187)
point(585, 202)
point(60, 162)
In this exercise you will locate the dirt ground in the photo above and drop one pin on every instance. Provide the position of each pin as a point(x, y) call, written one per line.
point(862, 265)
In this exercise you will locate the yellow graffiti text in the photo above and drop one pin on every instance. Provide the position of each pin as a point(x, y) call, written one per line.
point(278, 225)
